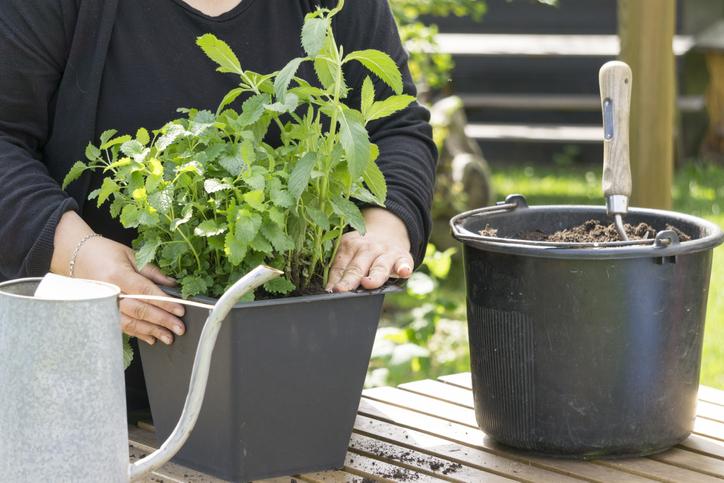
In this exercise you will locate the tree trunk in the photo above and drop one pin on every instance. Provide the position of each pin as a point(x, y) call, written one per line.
point(646, 29)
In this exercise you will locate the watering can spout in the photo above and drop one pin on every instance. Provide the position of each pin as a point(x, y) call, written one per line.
point(200, 371)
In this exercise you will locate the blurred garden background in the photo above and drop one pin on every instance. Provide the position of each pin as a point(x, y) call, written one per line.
point(513, 88)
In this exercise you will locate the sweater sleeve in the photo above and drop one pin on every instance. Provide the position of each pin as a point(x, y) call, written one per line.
point(34, 39)
point(408, 155)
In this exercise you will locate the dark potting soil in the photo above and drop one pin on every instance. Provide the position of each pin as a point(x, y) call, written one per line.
point(592, 231)
point(388, 453)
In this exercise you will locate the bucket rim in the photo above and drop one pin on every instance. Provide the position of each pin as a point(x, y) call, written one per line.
point(714, 235)
point(114, 291)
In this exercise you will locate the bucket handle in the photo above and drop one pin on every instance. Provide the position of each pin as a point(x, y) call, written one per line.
point(512, 202)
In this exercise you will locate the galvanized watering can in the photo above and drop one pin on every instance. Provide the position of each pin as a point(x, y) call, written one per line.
point(62, 395)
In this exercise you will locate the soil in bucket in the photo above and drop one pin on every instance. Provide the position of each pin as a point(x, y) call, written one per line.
point(592, 231)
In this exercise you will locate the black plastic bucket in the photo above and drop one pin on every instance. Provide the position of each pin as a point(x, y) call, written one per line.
point(585, 352)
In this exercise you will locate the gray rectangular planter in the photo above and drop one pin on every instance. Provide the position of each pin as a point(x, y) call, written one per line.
point(285, 383)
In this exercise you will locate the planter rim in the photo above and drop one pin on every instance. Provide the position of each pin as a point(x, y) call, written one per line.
point(113, 291)
point(712, 238)
point(291, 300)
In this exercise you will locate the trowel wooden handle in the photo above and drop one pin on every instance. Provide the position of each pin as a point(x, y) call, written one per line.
point(615, 79)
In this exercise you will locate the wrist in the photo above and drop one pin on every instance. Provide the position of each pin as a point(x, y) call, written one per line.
point(71, 230)
point(383, 221)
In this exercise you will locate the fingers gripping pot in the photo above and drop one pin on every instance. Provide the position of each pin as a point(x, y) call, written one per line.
point(585, 350)
point(63, 414)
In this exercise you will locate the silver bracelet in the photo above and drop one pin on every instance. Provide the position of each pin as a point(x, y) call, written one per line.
point(80, 244)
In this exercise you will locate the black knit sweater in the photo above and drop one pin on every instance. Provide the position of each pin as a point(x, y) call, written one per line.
point(72, 68)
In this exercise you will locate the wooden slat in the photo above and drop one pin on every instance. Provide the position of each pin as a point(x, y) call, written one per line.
point(541, 45)
point(711, 411)
point(439, 390)
point(542, 133)
point(711, 395)
point(464, 380)
point(458, 414)
point(418, 461)
point(471, 456)
point(692, 461)
point(376, 470)
point(557, 102)
point(703, 445)
point(328, 477)
point(658, 470)
point(474, 463)
point(709, 428)
point(568, 470)
point(424, 405)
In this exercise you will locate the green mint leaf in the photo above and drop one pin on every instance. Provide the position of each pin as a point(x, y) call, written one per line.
point(363, 194)
point(280, 285)
point(234, 249)
point(255, 199)
point(389, 106)
point(185, 218)
point(318, 217)
point(290, 104)
point(247, 225)
point(299, 179)
point(147, 253)
point(108, 187)
point(314, 33)
point(355, 141)
point(130, 216)
point(75, 172)
point(92, 153)
point(192, 285)
point(106, 135)
point(253, 109)
point(132, 148)
point(381, 65)
point(115, 141)
point(233, 164)
point(162, 200)
point(368, 95)
point(213, 185)
point(285, 76)
point(279, 240)
point(209, 228)
point(247, 151)
point(350, 213)
point(279, 196)
point(127, 351)
point(220, 52)
point(229, 98)
point(191, 167)
point(171, 132)
point(261, 244)
point(276, 216)
point(375, 181)
point(142, 136)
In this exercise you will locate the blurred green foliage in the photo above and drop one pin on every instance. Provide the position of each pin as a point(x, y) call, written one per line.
point(423, 328)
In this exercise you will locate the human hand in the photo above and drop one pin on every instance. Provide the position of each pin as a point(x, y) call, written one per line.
point(370, 260)
point(108, 261)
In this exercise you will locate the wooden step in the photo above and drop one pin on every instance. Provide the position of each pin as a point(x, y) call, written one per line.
point(557, 102)
point(542, 45)
point(560, 134)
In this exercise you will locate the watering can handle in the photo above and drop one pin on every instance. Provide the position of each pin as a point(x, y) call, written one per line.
point(200, 371)
point(616, 79)
point(173, 300)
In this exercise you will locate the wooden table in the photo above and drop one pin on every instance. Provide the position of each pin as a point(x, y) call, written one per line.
point(426, 431)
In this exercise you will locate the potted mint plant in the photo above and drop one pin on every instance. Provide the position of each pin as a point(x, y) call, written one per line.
point(210, 199)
